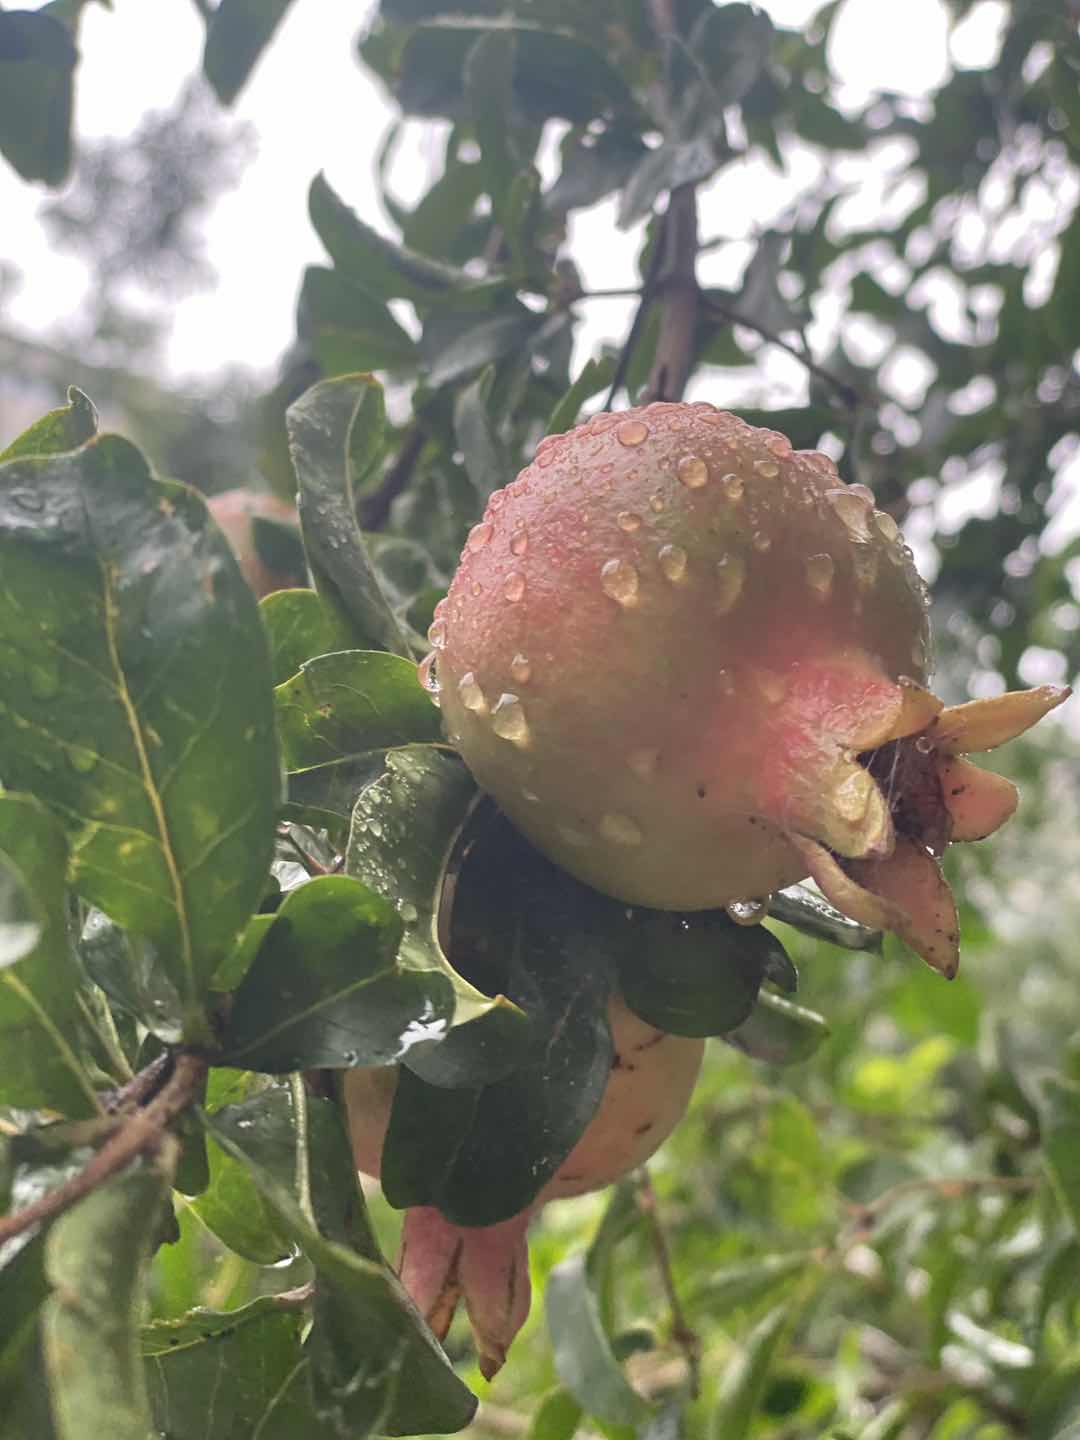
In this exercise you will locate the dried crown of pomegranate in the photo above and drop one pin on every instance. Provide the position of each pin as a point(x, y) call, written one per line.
point(689, 662)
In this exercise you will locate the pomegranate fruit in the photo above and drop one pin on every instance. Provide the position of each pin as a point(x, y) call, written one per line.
point(690, 664)
point(647, 1092)
point(236, 512)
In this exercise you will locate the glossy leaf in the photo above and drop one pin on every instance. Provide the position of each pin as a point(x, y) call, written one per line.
point(95, 1259)
point(300, 627)
point(779, 1032)
point(489, 98)
point(595, 375)
point(349, 329)
point(63, 429)
point(37, 59)
point(489, 339)
point(584, 1360)
point(352, 704)
point(336, 436)
point(808, 911)
point(557, 1417)
point(405, 828)
point(128, 970)
point(39, 1032)
point(126, 624)
point(236, 34)
point(743, 1381)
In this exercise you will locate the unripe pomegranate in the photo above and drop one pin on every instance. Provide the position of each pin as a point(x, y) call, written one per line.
point(647, 1092)
point(689, 663)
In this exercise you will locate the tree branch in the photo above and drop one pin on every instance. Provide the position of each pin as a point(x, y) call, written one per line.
point(681, 1331)
point(846, 392)
point(143, 1131)
point(375, 509)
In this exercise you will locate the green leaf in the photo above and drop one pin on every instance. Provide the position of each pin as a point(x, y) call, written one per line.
point(336, 436)
point(21, 924)
point(738, 1287)
point(348, 328)
point(694, 975)
point(132, 976)
point(236, 34)
point(374, 1362)
point(125, 626)
point(805, 910)
point(220, 1374)
point(476, 436)
point(405, 830)
point(584, 1360)
point(39, 1033)
point(675, 163)
point(1059, 1128)
point(557, 1417)
point(489, 98)
point(64, 429)
point(743, 1381)
point(37, 60)
point(25, 1289)
point(482, 343)
point(384, 269)
point(595, 375)
point(732, 43)
point(326, 990)
point(300, 627)
point(349, 705)
point(96, 1255)
point(779, 1031)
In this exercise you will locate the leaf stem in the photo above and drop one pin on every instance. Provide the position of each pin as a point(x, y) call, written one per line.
point(143, 1131)
point(681, 1331)
point(847, 393)
point(375, 508)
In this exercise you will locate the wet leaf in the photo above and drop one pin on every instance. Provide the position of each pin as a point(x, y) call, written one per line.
point(779, 1032)
point(300, 627)
point(475, 433)
point(1059, 1128)
point(595, 375)
point(584, 1360)
point(39, 1033)
point(349, 705)
point(808, 911)
point(37, 59)
point(63, 429)
point(126, 623)
point(95, 1257)
point(349, 329)
point(236, 34)
point(336, 437)
point(128, 970)
point(482, 343)
point(743, 1381)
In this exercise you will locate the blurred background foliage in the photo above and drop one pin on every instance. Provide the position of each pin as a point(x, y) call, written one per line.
point(879, 1241)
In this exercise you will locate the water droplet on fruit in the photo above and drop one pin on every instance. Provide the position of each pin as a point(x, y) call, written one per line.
point(730, 574)
point(479, 535)
point(853, 512)
point(519, 542)
point(497, 500)
point(531, 796)
point(732, 485)
point(761, 541)
point(772, 684)
point(620, 829)
point(887, 527)
point(628, 521)
point(747, 912)
point(508, 720)
point(820, 570)
point(437, 634)
point(863, 492)
point(656, 502)
point(619, 579)
point(476, 588)
point(924, 745)
point(632, 432)
point(514, 589)
point(864, 561)
point(767, 468)
point(851, 797)
point(470, 694)
point(425, 673)
point(692, 471)
point(521, 669)
point(375, 828)
point(673, 560)
point(724, 683)
point(779, 445)
point(643, 762)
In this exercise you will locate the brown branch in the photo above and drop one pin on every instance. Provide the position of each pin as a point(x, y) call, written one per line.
point(648, 294)
point(143, 1131)
point(847, 393)
point(678, 324)
point(375, 509)
point(141, 1087)
point(681, 1331)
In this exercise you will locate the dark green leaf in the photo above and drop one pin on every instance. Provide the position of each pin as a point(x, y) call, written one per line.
point(21, 922)
point(489, 98)
point(681, 162)
point(474, 431)
point(743, 1381)
point(300, 627)
point(237, 33)
point(349, 330)
point(1059, 1126)
point(593, 166)
point(349, 705)
point(132, 976)
point(557, 1417)
point(737, 1287)
point(595, 375)
point(481, 343)
point(326, 991)
point(94, 1259)
point(779, 1032)
point(336, 435)
point(278, 545)
point(38, 993)
point(732, 42)
point(24, 1289)
point(37, 59)
point(126, 624)
point(404, 832)
point(64, 429)
point(804, 909)
point(583, 1356)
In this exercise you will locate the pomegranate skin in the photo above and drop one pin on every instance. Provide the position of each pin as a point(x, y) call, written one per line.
point(235, 512)
point(665, 645)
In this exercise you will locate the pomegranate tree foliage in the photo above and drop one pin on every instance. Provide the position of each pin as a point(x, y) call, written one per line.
point(866, 1226)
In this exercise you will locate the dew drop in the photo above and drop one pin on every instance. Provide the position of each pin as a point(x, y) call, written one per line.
point(476, 588)
point(852, 510)
point(574, 837)
point(531, 796)
point(632, 432)
point(643, 762)
point(81, 759)
point(863, 492)
point(730, 575)
point(673, 560)
point(519, 542)
point(619, 580)
point(732, 485)
point(620, 829)
point(761, 541)
point(924, 745)
point(780, 445)
point(628, 521)
point(767, 468)
point(887, 527)
point(426, 674)
point(440, 609)
point(479, 535)
point(820, 570)
point(724, 682)
point(470, 694)
point(851, 797)
point(692, 471)
point(865, 563)
point(28, 500)
point(437, 634)
point(521, 669)
point(497, 500)
point(656, 502)
point(747, 912)
point(508, 720)
point(545, 457)
point(514, 588)
point(408, 912)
